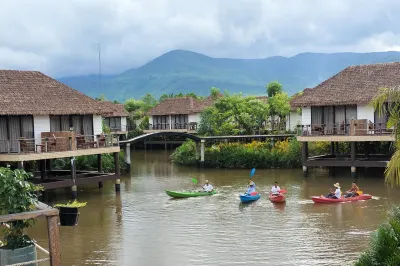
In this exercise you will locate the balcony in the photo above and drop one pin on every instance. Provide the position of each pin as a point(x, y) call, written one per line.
point(356, 130)
point(53, 145)
point(175, 127)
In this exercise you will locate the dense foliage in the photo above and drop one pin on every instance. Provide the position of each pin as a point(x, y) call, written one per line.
point(17, 195)
point(233, 115)
point(89, 163)
point(282, 154)
point(385, 244)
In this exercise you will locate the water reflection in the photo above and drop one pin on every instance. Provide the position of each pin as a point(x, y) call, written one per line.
point(143, 226)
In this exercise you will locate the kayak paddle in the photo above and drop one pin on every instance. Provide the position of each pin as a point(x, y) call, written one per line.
point(252, 172)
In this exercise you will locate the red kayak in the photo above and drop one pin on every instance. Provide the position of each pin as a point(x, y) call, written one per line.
point(342, 199)
point(277, 198)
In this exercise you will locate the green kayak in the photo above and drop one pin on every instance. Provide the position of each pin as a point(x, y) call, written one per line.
point(189, 194)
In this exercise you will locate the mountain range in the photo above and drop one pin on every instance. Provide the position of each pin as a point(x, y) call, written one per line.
point(184, 71)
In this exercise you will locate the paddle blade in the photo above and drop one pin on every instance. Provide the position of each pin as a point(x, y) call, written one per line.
point(194, 180)
point(252, 172)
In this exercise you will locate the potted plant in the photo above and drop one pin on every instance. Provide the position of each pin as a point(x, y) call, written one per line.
point(17, 195)
point(69, 212)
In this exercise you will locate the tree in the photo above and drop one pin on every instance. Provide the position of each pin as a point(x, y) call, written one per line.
point(214, 92)
point(392, 171)
point(279, 104)
point(233, 114)
point(135, 109)
point(273, 88)
point(149, 102)
point(385, 242)
point(101, 98)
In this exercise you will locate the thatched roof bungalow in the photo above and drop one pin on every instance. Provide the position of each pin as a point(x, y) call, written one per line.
point(32, 103)
point(347, 95)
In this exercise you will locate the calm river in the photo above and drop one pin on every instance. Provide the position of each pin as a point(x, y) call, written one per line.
point(144, 227)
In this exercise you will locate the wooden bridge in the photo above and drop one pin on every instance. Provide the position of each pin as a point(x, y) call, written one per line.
point(200, 141)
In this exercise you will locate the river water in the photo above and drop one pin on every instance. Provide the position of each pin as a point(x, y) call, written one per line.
point(142, 226)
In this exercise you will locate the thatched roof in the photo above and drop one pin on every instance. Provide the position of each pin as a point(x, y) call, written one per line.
point(353, 85)
point(33, 93)
point(181, 105)
point(114, 109)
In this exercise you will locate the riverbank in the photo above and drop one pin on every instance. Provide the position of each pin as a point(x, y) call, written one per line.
point(281, 154)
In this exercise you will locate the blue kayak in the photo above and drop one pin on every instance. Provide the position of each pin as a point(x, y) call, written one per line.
point(249, 198)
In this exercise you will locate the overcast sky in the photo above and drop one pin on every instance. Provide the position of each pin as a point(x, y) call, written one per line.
point(60, 37)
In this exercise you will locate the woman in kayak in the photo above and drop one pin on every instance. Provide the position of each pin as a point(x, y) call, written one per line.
point(251, 188)
point(335, 194)
point(275, 190)
point(353, 191)
point(208, 187)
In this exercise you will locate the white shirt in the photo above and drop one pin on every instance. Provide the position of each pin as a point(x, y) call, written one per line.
point(208, 187)
point(275, 189)
point(338, 193)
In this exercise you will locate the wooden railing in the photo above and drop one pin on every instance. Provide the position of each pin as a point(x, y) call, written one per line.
point(355, 128)
point(58, 144)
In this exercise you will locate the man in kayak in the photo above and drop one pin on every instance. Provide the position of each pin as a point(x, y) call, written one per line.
point(275, 190)
point(251, 188)
point(208, 187)
point(335, 194)
point(353, 191)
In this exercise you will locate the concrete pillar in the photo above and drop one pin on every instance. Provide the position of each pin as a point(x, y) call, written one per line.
point(117, 185)
point(331, 171)
point(165, 142)
point(304, 157)
point(127, 156)
point(202, 152)
point(117, 172)
point(353, 172)
point(21, 165)
point(353, 159)
point(100, 167)
point(305, 171)
point(74, 192)
point(333, 148)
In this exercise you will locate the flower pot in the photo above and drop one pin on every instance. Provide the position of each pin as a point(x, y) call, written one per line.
point(68, 216)
point(9, 256)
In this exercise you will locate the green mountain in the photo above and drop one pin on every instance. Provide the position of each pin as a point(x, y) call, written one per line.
point(184, 71)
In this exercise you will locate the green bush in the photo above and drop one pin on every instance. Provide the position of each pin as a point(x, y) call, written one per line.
point(283, 154)
point(385, 244)
point(89, 163)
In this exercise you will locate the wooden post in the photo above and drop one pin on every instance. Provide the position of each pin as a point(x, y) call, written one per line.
point(333, 148)
point(54, 240)
point(197, 151)
point(202, 152)
point(21, 165)
point(117, 172)
point(42, 165)
point(353, 159)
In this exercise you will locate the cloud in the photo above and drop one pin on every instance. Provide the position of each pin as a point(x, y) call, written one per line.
point(61, 37)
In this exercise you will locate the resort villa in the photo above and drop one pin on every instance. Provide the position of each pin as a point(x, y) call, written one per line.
point(339, 110)
point(177, 114)
point(42, 119)
point(116, 120)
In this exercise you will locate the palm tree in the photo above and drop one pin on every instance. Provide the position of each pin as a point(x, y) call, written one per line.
point(391, 96)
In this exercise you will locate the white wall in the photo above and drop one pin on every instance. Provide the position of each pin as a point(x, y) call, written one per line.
point(293, 119)
point(123, 123)
point(194, 118)
point(41, 123)
point(306, 115)
point(97, 125)
point(365, 112)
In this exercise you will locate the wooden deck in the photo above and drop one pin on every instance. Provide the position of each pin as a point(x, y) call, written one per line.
point(20, 157)
point(341, 138)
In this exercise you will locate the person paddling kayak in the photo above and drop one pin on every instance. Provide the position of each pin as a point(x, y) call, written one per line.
point(335, 194)
point(251, 188)
point(275, 190)
point(208, 187)
point(353, 191)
